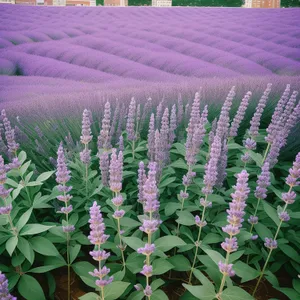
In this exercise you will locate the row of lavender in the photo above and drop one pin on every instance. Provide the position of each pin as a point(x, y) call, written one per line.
point(185, 175)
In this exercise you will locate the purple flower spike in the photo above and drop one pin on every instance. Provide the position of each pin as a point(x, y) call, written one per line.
point(104, 139)
point(148, 291)
point(226, 269)
point(4, 291)
point(289, 198)
point(9, 134)
point(117, 201)
point(250, 144)
point(147, 271)
point(255, 121)
point(66, 210)
point(118, 214)
point(151, 138)
point(104, 167)
point(86, 133)
point(85, 156)
point(130, 126)
point(148, 249)
point(183, 195)
point(103, 282)
point(245, 158)
point(116, 171)
point(141, 181)
point(292, 179)
point(62, 173)
point(253, 220)
point(270, 243)
point(100, 255)
point(173, 125)
point(239, 115)
point(263, 182)
point(199, 222)
point(205, 203)
point(284, 216)
point(230, 244)
point(150, 226)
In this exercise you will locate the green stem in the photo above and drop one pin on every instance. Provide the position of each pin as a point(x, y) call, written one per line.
point(266, 152)
point(120, 237)
point(197, 243)
point(133, 147)
point(224, 275)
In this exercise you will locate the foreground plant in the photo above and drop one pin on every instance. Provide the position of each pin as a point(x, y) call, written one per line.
point(289, 198)
point(4, 292)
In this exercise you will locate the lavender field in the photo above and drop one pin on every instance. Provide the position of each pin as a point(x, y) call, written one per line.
point(149, 153)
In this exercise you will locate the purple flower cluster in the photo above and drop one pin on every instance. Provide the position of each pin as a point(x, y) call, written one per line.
point(4, 193)
point(62, 177)
point(116, 171)
point(4, 292)
point(150, 222)
point(151, 138)
point(104, 167)
point(239, 115)
point(130, 125)
point(141, 181)
point(104, 138)
point(173, 125)
point(98, 237)
point(263, 182)
point(294, 173)
point(235, 212)
point(9, 134)
point(255, 121)
point(86, 137)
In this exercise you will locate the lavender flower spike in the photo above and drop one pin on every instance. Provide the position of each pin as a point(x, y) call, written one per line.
point(130, 126)
point(151, 139)
point(239, 115)
point(104, 167)
point(86, 133)
point(294, 173)
point(98, 237)
point(116, 171)
point(141, 181)
point(104, 139)
point(173, 125)
point(4, 292)
point(9, 134)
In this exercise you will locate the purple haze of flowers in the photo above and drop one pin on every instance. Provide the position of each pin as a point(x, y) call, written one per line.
point(4, 291)
point(180, 109)
point(223, 122)
point(9, 134)
point(141, 181)
point(114, 120)
point(116, 171)
point(151, 139)
point(146, 111)
point(104, 138)
point(235, 218)
point(274, 125)
point(289, 108)
point(158, 116)
point(255, 121)
point(239, 115)
point(104, 167)
point(211, 171)
point(98, 237)
point(130, 125)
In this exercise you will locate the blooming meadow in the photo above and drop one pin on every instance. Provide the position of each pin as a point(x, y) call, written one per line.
point(153, 202)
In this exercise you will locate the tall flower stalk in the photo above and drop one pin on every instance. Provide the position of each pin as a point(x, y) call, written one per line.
point(150, 223)
point(85, 138)
point(130, 125)
point(98, 237)
point(115, 184)
point(289, 198)
point(235, 212)
point(62, 177)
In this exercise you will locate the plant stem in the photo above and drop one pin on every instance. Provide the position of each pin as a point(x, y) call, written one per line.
point(120, 238)
point(68, 253)
point(86, 181)
point(266, 152)
point(224, 275)
point(269, 255)
point(133, 147)
point(197, 243)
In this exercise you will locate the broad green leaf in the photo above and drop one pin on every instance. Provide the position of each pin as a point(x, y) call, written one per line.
point(236, 293)
point(74, 250)
point(43, 269)
point(22, 156)
point(43, 246)
point(159, 295)
point(179, 164)
point(257, 157)
point(11, 244)
point(128, 222)
point(212, 238)
point(34, 183)
point(115, 289)
point(185, 218)
point(202, 292)
point(26, 249)
point(166, 182)
point(271, 212)
point(202, 278)
point(82, 268)
point(31, 229)
point(171, 207)
point(180, 148)
point(296, 285)
point(135, 262)
point(291, 293)
point(263, 231)
point(180, 263)
point(134, 242)
point(89, 296)
point(245, 272)
point(156, 284)
point(216, 199)
point(214, 255)
point(24, 219)
point(11, 182)
point(290, 252)
point(166, 243)
point(161, 266)
point(44, 176)
point(29, 288)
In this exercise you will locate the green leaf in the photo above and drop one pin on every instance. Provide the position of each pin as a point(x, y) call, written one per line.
point(82, 268)
point(134, 242)
point(296, 285)
point(263, 231)
point(31, 229)
point(34, 183)
point(29, 288)
point(245, 272)
point(26, 249)
point(11, 245)
point(135, 262)
point(271, 212)
point(212, 238)
point(161, 266)
point(216, 199)
point(24, 219)
point(43, 246)
point(180, 263)
point(74, 250)
point(290, 252)
point(24, 168)
point(156, 284)
point(44, 176)
point(115, 289)
point(128, 222)
point(291, 293)
point(202, 278)
point(159, 295)
point(89, 296)
point(171, 207)
point(214, 255)
point(180, 148)
point(202, 292)
point(185, 218)
point(43, 269)
point(257, 157)
point(22, 156)
point(235, 293)
point(166, 182)
point(11, 182)
point(179, 164)
point(166, 243)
